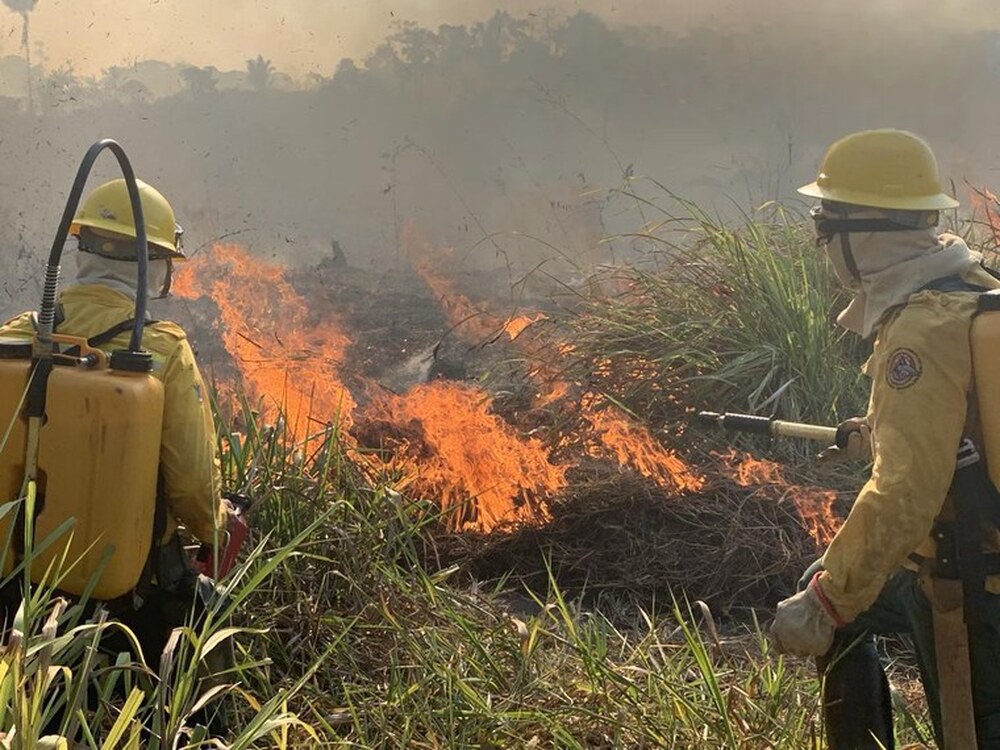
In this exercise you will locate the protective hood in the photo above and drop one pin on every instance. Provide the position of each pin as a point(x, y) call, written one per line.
point(120, 275)
point(892, 266)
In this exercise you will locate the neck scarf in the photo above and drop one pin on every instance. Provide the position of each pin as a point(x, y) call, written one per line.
point(892, 266)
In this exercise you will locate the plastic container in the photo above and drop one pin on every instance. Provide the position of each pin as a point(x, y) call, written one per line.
point(98, 459)
point(985, 339)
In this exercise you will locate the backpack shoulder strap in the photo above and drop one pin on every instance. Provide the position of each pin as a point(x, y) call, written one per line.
point(953, 283)
point(104, 337)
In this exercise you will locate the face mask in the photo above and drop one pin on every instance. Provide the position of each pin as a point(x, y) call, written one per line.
point(159, 276)
point(123, 275)
point(834, 248)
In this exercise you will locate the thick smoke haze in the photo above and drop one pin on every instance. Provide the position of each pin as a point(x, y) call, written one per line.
point(518, 138)
point(311, 36)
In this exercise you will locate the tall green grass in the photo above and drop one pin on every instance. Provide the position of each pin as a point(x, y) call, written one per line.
point(722, 317)
point(350, 633)
point(413, 655)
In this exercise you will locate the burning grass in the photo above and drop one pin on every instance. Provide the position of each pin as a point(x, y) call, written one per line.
point(616, 541)
point(567, 474)
point(419, 656)
point(367, 621)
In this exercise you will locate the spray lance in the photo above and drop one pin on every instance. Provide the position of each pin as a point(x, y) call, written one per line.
point(776, 427)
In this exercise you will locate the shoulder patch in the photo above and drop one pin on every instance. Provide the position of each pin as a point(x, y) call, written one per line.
point(902, 369)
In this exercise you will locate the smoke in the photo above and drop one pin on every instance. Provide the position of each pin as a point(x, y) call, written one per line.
point(516, 139)
point(312, 36)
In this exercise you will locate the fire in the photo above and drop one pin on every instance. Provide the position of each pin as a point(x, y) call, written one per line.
point(617, 434)
point(515, 326)
point(472, 323)
point(814, 505)
point(441, 440)
point(288, 363)
point(452, 448)
point(482, 471)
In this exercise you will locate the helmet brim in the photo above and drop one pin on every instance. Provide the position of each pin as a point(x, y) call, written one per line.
point(935, 202)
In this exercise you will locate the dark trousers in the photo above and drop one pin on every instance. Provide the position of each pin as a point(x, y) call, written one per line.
point(902, 607)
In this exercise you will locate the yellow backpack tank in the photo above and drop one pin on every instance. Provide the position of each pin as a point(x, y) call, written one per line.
point(98, 457)
point(82, 430)
point(985, 340)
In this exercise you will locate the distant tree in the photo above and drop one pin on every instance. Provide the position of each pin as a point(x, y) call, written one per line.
point(24, 7)
point(60, 87)
point(135, 92)
point(259, 73)
point(316, 80)
point(201, 82)
point(417, 46)
point(347, 75)
point(114, 79)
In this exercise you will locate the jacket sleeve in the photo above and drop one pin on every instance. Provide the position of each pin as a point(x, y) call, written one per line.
point(921, 376)
point(188, 458)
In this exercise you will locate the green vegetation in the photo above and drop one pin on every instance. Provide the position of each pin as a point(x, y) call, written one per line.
point(347, 637)
point(349, 633)
point(727, 317)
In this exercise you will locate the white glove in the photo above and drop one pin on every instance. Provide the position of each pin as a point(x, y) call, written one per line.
point(804, 624)
point(854, 442)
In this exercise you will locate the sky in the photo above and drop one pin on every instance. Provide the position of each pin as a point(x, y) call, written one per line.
point(312, 36)
point(299, 36)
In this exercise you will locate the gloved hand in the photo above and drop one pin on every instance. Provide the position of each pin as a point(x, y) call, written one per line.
point(804, 624)
point(854, 441)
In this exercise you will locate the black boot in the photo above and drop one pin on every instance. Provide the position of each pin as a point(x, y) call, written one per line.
point(857, 704)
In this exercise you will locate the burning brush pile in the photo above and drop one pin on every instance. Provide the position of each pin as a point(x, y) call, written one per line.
point(468, 409)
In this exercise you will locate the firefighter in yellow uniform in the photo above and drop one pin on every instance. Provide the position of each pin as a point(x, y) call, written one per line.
point(99, 306)
point(916, 292)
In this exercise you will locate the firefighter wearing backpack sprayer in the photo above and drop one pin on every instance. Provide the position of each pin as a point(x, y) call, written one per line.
point(99, 307)
point(892, 567)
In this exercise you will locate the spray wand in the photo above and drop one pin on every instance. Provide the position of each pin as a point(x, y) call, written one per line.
point(776, 427)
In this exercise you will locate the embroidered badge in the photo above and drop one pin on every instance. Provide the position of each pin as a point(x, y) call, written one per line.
point(903, 369)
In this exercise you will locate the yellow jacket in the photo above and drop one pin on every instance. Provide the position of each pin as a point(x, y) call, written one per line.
point(189, 465)
point(921, 373)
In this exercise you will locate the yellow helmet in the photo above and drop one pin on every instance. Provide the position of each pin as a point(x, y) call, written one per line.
point(107, 211)
point(889, 169)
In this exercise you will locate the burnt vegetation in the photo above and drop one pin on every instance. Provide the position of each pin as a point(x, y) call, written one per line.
point(520, 147)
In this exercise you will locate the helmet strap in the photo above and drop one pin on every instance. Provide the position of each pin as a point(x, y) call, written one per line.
point(845, 246)
point(167, 281)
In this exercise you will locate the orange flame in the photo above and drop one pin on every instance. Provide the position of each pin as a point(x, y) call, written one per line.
point(983, 200)
point(631, 443)
point(477, 467)
point(444, 440)
point(288, 364)
point(616, 434)
point(474, 456)
point(515, 326)
point(815, 506)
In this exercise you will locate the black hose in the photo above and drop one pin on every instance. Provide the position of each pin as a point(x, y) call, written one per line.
point(46, 315)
